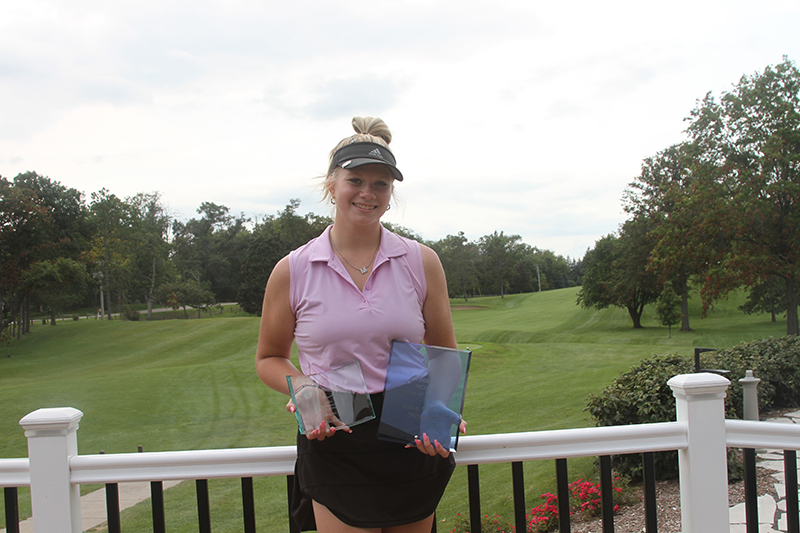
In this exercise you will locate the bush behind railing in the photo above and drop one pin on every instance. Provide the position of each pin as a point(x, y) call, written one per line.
point(775, 361)
point(641, 394)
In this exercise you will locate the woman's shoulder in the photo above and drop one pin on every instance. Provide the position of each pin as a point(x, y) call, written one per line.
point(400, 244)
point(280, 272)
point(313, 249)
point(423, 252)
point(430, 259)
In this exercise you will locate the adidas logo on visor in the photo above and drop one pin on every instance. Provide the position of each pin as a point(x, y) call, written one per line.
point(376, 153)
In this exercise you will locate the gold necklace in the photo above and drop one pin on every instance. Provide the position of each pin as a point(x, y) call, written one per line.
point(363, 270)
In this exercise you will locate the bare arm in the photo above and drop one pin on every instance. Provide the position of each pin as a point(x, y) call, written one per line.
point(436, 310)
point(276, 333)
point(439, 332)
point(275, 338)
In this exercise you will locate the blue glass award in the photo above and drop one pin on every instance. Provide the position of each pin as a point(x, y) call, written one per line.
point(424, 394)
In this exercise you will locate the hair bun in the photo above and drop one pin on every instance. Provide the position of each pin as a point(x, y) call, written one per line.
point(372, 126)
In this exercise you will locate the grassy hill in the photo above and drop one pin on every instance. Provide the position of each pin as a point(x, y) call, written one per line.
point(191, 384)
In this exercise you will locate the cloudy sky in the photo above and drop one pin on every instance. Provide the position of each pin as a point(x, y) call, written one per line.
point(526, 117)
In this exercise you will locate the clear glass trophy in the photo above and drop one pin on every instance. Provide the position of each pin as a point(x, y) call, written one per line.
point(338, 397)
point(424, 394)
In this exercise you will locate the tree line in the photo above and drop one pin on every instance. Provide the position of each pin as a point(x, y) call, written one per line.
point(717, 212)
point(60, 250)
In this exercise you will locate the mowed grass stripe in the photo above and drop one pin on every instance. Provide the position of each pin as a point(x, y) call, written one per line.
point(191, 384)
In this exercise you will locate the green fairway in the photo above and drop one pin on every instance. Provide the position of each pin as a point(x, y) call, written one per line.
point(191, 384)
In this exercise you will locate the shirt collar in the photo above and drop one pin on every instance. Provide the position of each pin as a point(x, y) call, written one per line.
point(391, 246)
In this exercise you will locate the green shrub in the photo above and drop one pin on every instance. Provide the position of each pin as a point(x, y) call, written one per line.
point(130, 314)
point(642, 396)
point(76, 317)
point(776, 362)
point(494, 524)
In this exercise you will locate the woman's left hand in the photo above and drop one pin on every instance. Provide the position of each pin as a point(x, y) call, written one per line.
point(436, 448)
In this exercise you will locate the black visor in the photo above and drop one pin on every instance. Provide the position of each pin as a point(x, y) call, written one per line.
point(365, 153)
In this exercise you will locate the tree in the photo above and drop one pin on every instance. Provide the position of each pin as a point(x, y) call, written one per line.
point(56, 285)
point(553, 271)
point(272, 239)
point(599, 274)
point(266, 249)
point(295, 230)
point(150, 249)
point(25, 223)
point(526, 273)
point(660, 193)
point(747, 149)
point(212, 248)
point(187, 293)
point(766, 297)
point(70, 231)
point(458, 258)
point(130, 252)
point(575, 272)
point(615, 271)
point(40, 220)
point(111, 218)
point(500, 255)
point(668, 307)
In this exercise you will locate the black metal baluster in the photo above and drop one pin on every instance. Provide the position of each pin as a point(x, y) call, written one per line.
point(112, 507)
point(518, 481)
point(11, 501)
point(562, 493)
point(474, 499)
point(156, 502)
point(650, 502)
point(790, 477)
point(157, 505)
point(203, 510)
point(248, 505)
point(607, 494)
point(750, 491)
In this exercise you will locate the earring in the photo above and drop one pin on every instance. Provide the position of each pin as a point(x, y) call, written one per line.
point(388, 207)
point(333, 201)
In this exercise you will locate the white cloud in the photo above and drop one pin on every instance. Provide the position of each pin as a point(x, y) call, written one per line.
point(515, 116)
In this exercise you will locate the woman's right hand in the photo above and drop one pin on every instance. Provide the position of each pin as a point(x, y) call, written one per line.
point(316, 412)
point(324, 431)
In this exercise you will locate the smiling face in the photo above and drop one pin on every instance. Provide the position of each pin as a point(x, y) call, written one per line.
point(362, 194)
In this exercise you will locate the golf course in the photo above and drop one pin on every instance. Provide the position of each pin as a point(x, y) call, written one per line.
point(190, 384)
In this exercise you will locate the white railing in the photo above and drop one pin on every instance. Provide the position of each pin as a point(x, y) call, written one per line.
point(54, 470)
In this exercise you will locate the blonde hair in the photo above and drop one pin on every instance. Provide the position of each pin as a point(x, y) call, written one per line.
point(368, 129)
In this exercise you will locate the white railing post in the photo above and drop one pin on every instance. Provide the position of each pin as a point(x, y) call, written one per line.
point(703, 465)
point(52, 442)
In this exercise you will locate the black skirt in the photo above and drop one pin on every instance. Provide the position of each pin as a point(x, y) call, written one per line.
point(366, 482)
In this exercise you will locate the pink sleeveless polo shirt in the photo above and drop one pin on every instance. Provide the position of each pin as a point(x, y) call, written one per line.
point(337, 324)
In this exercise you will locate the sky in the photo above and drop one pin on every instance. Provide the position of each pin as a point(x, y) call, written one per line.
point(525, 117)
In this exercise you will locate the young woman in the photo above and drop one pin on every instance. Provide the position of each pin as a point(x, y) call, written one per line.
point(344, 297)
